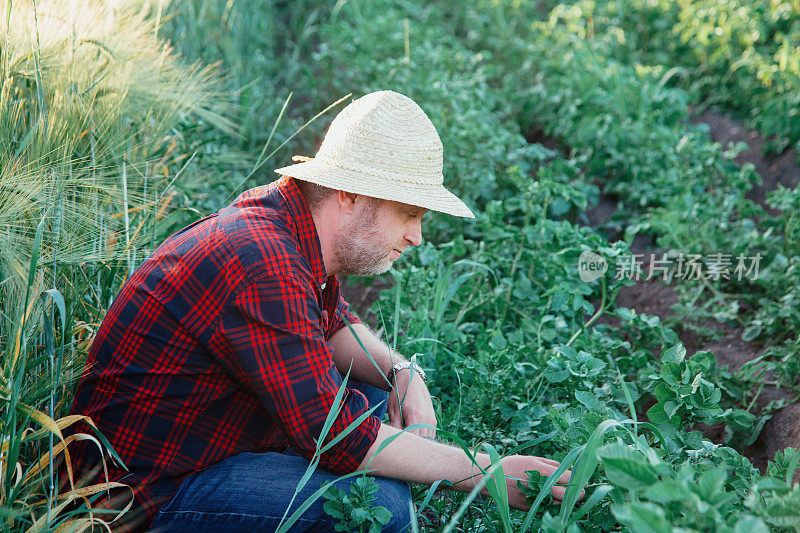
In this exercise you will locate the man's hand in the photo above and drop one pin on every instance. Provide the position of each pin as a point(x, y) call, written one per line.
point(515, 466)
point(411, 391)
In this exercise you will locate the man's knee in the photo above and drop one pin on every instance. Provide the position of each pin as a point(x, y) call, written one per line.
point(395, 496)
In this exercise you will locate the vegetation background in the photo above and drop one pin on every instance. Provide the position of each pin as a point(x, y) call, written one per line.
point(122, 122)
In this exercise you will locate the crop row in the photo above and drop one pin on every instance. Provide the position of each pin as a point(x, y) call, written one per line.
point(673, 182)
point(742, 55)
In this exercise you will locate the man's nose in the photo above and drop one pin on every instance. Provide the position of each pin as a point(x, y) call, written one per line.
point(414, 233)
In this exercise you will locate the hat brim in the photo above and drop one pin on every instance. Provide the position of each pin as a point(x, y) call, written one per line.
point(433, 197)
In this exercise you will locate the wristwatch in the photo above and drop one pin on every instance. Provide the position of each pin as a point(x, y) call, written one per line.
point(407, 364)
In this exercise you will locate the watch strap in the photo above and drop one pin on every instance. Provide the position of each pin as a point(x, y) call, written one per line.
point(404, 365)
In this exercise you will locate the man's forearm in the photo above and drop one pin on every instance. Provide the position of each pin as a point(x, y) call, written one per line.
point(418, 460)
point(347, 349)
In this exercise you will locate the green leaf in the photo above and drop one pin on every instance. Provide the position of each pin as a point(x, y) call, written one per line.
point(667, 491)
point(382, 515)
point(658, 416)
point(548, 334)
point(676, 354)
point(556, 376)
point(37, 241)
point(672, 373)
point(663, 393)
point(752, 332)
point(712, 482)
point(743, 419)
point(559, 300)
point(770, 483)
point(784, 511)
point(626, 467)
point(671, 408)
point(642, 518)
point(750, 524)
point(589, 400)
point(58, 298)
point(568, 352)
point(331, 508)
point(498, 342)
point(359, 515)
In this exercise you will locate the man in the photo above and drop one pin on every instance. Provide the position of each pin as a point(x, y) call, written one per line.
point(219, 361)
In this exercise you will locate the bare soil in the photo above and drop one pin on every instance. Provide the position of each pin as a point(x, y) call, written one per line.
point(361, 293)
point(779, 169)
point(653, 297)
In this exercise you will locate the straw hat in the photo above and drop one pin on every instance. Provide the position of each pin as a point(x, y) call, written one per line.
point(382, 145)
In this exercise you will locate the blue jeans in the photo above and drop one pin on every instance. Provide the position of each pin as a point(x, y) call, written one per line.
point(250, 492)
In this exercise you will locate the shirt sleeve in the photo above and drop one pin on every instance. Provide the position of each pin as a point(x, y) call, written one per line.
point(342, 312)
point(272, 338)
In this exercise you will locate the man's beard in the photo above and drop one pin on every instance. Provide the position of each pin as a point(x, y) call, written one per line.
point(361, 250)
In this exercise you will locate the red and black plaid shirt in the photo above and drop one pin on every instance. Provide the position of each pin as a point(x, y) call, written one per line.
point(217, 345)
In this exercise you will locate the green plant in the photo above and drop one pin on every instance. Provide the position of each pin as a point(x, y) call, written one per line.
point(583, 81)
point(93, 109)
point(651, 495)
point(739, 55)
point(690, 390)
point(354, 510)
point(514, 340)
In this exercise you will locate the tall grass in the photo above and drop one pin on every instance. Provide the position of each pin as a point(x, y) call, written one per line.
point(36, 367)
point(94, 109)
point(87, 97)
point(264, 47)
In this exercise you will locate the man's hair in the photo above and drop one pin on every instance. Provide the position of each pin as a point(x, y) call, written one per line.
point(315, 195)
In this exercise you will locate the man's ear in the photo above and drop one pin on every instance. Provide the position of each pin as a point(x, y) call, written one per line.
point(347, 201)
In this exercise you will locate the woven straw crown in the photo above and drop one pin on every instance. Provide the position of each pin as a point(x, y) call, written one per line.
point(383, 145)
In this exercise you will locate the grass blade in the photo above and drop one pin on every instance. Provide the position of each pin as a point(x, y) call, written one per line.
point(498, 490)
point(289, 522)
point(587, 464)
point(292, 136)
point(471, 496)
point(598, 494)
point(566, 463)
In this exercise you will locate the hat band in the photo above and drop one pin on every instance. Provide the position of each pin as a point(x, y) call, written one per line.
point(375, 173)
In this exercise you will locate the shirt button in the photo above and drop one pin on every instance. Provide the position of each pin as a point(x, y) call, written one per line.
point(324, 283)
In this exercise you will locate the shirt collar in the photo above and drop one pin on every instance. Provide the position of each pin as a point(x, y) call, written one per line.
point(303, 225)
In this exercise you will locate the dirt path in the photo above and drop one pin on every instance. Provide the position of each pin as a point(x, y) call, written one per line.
point(782, 168)
point(783, 429)
point(655, 298)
